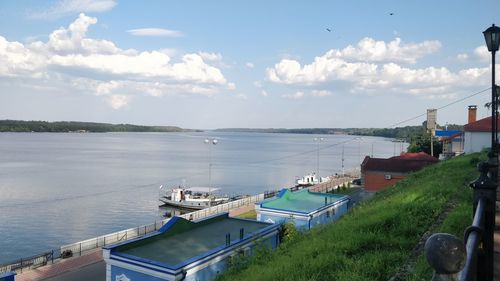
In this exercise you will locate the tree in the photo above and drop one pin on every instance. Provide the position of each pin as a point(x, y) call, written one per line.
point(422, 143)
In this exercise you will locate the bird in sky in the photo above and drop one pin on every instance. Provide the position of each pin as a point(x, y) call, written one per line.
point(390, 14)
point(329, 29)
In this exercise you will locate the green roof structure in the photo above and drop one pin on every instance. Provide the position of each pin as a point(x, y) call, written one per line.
point(302, 201)
point(185, 239)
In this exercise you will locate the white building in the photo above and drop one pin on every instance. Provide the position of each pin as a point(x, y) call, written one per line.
point(477, 135)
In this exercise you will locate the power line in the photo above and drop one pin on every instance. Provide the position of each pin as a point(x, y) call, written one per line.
point(444, 106)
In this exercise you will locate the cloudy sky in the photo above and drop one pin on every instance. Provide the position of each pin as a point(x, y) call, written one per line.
point(216, 64)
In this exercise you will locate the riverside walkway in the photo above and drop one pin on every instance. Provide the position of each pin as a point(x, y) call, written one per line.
point(64, 267)
point(90, 266)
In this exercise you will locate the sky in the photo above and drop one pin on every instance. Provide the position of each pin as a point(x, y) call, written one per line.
point(247, 64)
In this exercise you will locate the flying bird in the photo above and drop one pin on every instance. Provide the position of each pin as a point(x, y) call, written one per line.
point(329, 29)
point(390, 14)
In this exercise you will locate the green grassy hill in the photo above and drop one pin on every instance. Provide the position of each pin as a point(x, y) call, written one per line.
point(376, 239)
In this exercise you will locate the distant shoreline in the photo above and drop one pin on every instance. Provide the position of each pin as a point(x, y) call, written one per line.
point(19, 126)
point(93, 127)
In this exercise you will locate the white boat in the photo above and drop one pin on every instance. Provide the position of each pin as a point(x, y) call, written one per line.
point(311, 179)
point(192, 198)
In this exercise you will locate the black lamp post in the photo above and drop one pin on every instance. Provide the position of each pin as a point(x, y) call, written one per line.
point(492, 37)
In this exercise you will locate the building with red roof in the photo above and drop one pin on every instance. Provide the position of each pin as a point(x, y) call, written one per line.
point(379, 173)
point(477, 135)
point(452, 146)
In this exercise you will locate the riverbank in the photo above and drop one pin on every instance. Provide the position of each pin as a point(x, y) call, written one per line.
point(376, 239)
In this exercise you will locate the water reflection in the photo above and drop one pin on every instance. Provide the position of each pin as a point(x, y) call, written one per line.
point(168, 212)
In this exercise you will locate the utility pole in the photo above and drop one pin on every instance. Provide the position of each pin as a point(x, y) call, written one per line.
point(342, 160)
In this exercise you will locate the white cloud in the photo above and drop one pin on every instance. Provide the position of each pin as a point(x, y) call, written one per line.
point(152, 31)
point(257, 84)
point(379, 51)
point(323, 69)
point(377, 74)
point(264, 93)
point(482, 53)
point(70, 7)
point(107, 87)
point(70, 57)
point(211, 56)
point(118, 101)
point(250, 65)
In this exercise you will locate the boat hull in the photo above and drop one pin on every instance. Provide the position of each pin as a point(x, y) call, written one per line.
point(189, 205)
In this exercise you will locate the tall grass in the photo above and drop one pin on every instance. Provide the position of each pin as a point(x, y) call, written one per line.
point(375, 239)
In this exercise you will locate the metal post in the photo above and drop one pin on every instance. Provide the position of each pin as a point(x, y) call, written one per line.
point(485, 189)
point(493, 104)
point(342, 160)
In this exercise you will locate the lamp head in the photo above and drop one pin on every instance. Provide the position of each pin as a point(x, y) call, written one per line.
point(492, 38)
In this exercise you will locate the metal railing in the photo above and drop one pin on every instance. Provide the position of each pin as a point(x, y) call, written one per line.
point(30, 262)
point(472, 258)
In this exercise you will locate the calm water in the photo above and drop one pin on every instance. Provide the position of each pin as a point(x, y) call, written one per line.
point(62, 188)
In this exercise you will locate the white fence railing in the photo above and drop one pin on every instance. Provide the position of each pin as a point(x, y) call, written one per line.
point(82, 247)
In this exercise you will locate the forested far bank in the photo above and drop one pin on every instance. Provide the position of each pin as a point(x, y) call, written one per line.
point(74, 126)
point(404, 133)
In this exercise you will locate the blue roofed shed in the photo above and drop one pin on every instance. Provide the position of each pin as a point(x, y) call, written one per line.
point(185, 250)
point(304, 208)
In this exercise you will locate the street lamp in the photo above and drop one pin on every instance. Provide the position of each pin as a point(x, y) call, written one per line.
point(210, 142)
point(318, 140)
point(492, 38)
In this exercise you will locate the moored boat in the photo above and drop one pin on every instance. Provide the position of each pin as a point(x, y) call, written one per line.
point(311, 179)
point(195, 198)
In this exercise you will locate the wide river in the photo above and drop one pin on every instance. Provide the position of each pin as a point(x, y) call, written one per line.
point(60, 188)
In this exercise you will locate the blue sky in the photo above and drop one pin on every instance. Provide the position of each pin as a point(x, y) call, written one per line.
point(261, 64)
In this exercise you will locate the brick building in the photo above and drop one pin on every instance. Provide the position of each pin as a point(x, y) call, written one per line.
point(379, 173)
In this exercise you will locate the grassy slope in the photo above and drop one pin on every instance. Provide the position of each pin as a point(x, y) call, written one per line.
point(375, 239)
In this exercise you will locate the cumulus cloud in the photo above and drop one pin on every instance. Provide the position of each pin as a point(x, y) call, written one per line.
point(152, 31)
point(70, 7)
point(264, 93)
point(482, 53)
point(107, 70)
point(250, 65)
point(323, 69)
point(375, 65)
point(371, 50)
